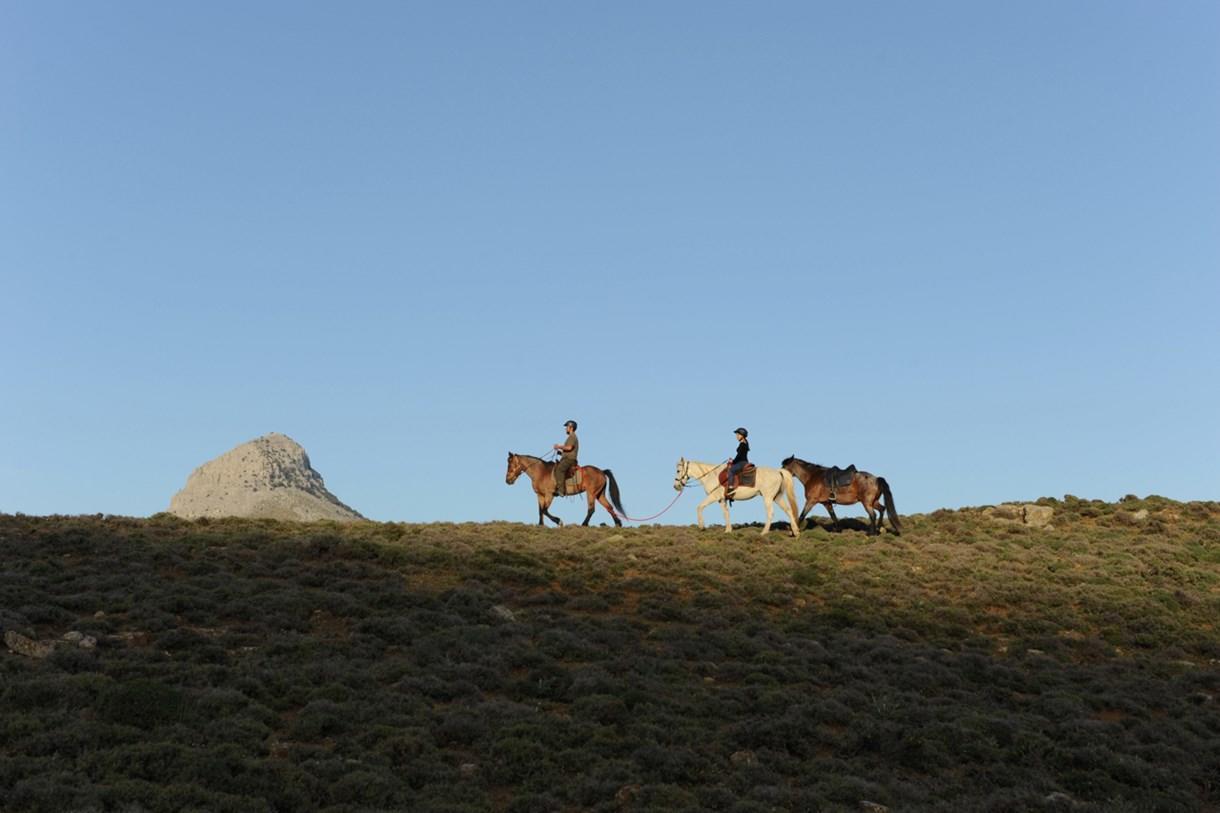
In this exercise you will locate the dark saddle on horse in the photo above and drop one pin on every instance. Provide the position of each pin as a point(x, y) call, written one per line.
point(746, 478)
point(837, 478)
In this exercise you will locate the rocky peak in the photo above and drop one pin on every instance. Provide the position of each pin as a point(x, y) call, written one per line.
point(269, 477)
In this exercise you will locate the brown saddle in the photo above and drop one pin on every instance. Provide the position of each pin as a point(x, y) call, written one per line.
point(746, 478)
point(574, 482)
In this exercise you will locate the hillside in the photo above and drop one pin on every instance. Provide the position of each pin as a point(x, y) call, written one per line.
point(970, 664)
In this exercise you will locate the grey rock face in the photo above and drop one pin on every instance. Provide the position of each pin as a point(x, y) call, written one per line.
point(269, 478)
point(1036, 516)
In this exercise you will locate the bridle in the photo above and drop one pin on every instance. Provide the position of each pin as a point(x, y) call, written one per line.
point(685, 477)
point(522, 467)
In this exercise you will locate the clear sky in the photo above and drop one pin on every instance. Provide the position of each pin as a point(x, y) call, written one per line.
point(972, 247)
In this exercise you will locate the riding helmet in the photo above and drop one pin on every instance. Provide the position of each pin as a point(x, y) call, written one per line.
point(572, 423)
point(741, 430)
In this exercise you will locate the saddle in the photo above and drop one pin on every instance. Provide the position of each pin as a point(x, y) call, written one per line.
point(573, 483)
point(746, 478)
point(837, 478)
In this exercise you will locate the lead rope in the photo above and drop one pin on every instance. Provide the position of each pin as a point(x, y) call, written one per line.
point(654, 516)
point(685, 485)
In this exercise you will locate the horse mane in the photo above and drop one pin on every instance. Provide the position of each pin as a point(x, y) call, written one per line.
point(526, 456)
point(802, 463)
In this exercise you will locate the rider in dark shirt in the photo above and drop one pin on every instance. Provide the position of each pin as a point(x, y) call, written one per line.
point(739, 462)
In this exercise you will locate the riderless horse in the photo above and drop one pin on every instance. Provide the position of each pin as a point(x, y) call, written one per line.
point(771, 484)
point(593, 482)
point(829, 486)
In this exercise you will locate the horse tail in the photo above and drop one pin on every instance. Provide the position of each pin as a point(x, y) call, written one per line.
point(889, 504)
point(791, 498)
point(614, 496)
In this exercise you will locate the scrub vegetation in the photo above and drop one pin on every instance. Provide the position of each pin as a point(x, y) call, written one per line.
point(969, 664)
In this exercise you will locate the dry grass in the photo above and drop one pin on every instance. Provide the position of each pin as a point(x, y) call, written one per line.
point(966, 665)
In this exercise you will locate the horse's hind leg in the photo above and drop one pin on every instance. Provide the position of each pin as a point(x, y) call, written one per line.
point(601, 498)
point(880, 506)
point(872, 518)
point(590, 514)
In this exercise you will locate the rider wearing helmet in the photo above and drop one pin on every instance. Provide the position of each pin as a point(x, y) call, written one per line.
point(740, 461)
point(567, 459)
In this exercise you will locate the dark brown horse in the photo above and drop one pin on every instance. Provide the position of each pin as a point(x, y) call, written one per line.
point(864, 489)
point(542, 478)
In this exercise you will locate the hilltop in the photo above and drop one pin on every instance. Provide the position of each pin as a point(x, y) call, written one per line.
point(970, 664)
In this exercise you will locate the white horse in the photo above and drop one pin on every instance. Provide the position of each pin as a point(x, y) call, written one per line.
point(772, 484)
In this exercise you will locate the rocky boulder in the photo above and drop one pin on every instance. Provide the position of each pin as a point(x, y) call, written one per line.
point(270, 478)
point(1036, 516)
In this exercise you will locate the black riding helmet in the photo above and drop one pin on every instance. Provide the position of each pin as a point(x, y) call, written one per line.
point(570, 423)
point(741, 430)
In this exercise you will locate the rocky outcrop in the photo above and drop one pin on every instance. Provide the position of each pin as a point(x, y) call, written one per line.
point(1036, 516)
point(270, 478)
point(31, 648)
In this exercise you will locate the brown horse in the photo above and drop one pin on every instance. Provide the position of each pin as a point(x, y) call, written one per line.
point(542, 478)
point(864, 489)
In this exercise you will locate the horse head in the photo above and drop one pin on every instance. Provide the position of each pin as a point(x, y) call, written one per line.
point(681, 474)
point(514, 469)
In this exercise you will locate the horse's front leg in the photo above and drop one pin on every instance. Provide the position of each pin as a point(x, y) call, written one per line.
point(544, 502)
point(708, 500)
point(728, 523)
point(768, 503)
point(830, 509)
point(809, 503)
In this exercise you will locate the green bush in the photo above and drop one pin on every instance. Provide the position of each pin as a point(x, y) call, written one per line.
point(143, 703)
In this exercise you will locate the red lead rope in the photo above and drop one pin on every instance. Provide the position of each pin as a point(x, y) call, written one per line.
point(654, 516)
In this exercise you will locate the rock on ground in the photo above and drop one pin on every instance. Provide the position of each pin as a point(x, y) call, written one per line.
point(27, 646)
point(1035, 516)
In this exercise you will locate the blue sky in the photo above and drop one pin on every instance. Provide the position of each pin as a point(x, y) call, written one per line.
point(971, 247)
